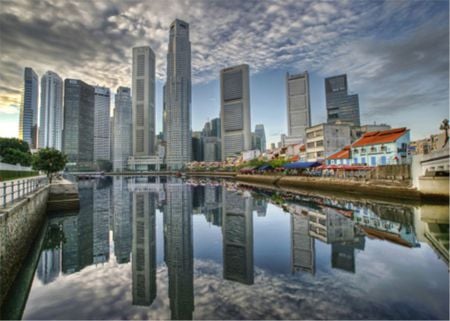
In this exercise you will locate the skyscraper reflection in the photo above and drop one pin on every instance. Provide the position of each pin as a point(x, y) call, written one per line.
point(101, 209)
point(178, 248)
point(237, 233)
point(144, 247)
point(122, 207)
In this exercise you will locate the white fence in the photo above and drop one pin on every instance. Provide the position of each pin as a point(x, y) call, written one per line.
point(11, 167)
point(14, 190)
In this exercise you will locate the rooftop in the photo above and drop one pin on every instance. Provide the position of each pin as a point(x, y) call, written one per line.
point(380, 137)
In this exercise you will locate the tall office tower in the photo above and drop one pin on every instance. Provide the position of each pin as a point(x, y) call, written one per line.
point(123, 132)
point(51, 113)
point(143, 87)
point(29, 108)
point(178, 248)
point(235, 110)
point(340, 105)
point(261, 134)
point(78, 132)
point(298, 104)
point(178, 96)
point(215, 127)
point(101, 124)
point(237, 231)
point(144, 248)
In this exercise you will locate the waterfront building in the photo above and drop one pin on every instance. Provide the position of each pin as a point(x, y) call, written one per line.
point(342, 157)
point(211, 149)
point(298, 105)
point(260, 135)
point(101, 123)
point(235, 110)
point(143, 101)
point(78, 132)
point(385, 147)
point(358, 131)
point(340, 105)
point(237, 231)
point(177, 97)
point(29, 108)
point(51, 113)
point(324, 140)
point(197, 146)
point(123, 132)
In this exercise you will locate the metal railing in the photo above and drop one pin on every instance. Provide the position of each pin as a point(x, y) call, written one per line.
point(15, 190)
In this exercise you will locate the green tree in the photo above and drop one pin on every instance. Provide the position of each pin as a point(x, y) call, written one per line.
point(50, 161)
point(15, 151)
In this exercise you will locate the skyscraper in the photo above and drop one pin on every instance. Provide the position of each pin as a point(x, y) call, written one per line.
point(122, 137)
point(51, 113)
point(78, 132)
point(340, 105)
point(298, 104)
point(143, 86)
point(29, 108)
point(215, 127)
point(261, 134)
point(235, 110)
point(101, 124)
point(177, 96)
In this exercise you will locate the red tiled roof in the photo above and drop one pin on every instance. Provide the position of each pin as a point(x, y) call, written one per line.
point(380, 137)
point(342, 154)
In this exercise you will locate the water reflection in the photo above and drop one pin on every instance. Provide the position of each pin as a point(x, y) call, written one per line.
point(118, 224)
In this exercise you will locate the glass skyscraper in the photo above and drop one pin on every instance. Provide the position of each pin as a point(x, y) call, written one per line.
point(51, 113)
point(78, 133)
point(122, 129)
point(177, 97)
point(101, 124)
point(340, 105)
point(29, 108)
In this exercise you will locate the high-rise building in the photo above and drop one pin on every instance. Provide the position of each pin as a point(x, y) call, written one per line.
point(298, 104)
point(211, 149)
point(143, 87)
point(101, 124)
point(177, 97)
point(215, 127)
point(340, 105)
point(122, 137)
point(235, 110)
point(78, 132)
point(51, 113)
point(197, 146)
point(29, 108)
point(261, 135)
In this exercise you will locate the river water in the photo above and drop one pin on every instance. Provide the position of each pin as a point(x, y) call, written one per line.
point(163, 248)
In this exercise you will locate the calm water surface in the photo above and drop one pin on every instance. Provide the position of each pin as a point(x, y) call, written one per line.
point(142, 248)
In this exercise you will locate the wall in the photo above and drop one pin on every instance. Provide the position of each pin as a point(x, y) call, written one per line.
point(391, 172)
point(19, 225)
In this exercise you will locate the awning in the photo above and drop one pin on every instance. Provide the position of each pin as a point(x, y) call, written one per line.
point(301, 165)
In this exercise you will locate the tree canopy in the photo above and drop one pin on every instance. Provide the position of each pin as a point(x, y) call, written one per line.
point(15, 151)
point(50, 161)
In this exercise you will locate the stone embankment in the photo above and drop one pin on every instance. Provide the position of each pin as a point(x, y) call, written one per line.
point(384, 189)
point(63, 196)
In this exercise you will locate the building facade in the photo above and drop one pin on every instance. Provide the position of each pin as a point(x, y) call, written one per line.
point(51, 113)
point(177, 97)
point(260, 140)
point(143, 101)
point(29, 108)
point(102, 146)
point(78, 132)
point(123, 132)
point(340, 105)
point(325, 139)
point(235, 110)
point(298, 104)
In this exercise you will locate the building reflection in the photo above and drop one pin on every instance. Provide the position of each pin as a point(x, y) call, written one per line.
point(237, 233)
point(101, 214)
point(122, 226)
point(302, 244)
point(144, 243)
point(178, 248)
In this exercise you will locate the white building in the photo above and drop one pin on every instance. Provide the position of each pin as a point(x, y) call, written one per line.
point(298, 104)
point(235, 110)
point(143, 101)
point(101, 124)
point(51, 113)
point(122, 137)
point(324, 140)
point(177, 97)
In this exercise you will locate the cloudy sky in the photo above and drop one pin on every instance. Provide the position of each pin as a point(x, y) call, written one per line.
point(395, 53)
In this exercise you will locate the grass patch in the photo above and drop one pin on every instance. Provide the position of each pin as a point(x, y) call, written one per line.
point(9, 175)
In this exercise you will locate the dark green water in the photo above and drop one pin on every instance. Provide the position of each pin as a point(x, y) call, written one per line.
point(146, 249)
